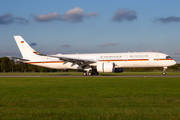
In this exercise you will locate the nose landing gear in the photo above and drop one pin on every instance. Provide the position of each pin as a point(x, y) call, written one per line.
point(164, 70)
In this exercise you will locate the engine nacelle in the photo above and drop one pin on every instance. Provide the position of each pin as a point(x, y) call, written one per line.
point(105, 67)
point(118, 70)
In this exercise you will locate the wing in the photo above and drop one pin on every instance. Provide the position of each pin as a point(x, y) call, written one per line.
point(83, 63)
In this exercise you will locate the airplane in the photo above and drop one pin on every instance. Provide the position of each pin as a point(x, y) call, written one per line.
point(93, 64)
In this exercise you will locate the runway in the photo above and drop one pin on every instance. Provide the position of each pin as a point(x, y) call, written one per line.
point(71, 76)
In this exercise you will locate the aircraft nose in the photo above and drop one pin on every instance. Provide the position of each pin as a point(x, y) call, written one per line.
point(174, 62)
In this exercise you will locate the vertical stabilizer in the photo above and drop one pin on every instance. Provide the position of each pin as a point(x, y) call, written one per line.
point(24, 48)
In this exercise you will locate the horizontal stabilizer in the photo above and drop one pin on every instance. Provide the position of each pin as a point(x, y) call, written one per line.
point(18, 59)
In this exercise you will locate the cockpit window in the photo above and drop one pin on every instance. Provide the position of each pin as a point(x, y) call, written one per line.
point(168, 57)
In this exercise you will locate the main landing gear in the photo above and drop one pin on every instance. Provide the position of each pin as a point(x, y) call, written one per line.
point(164, 70)
point(90, 73)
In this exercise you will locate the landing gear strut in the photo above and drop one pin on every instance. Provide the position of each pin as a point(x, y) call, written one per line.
point(164, 70)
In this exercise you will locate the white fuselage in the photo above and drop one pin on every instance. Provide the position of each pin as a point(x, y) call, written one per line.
point(121, 60)
point(92, 64)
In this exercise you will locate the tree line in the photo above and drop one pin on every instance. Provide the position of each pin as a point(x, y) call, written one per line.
point(11, 65)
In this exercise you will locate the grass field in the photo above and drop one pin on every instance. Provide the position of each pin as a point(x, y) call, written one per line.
point(81, 73)
point(90, 98)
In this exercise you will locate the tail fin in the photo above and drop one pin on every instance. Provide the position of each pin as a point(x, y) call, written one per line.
point(24, 48)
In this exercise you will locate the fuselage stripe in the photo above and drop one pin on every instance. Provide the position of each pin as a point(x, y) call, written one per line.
point(162, 59)
point(132, 60)
point(46, 62)
point(126, 60)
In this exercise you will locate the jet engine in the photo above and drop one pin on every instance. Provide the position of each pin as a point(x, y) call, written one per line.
point(108, 67)
point(105, 67)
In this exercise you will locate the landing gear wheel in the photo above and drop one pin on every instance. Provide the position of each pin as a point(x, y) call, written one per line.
point(85, 73)
point(164, 70)
point(96, 73)
point(89, 73)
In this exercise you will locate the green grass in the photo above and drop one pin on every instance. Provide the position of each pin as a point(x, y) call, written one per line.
point(43, 73)
point(90, 98)
point(140, 73)
point(81, 73)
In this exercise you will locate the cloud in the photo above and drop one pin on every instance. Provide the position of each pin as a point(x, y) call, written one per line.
point(7, 53)
point(73, 15)
point(8, 18)
point(169, 19)
point(177, 52)
point(66, 45)
point(123, 14)
point(92, 14)
point(33, 44)
point(20, 20)
point(176, 56)
point(109, 44)
point(47, 17)
point(154, 50)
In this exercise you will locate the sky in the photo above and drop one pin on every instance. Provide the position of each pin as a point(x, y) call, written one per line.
point(93, 26)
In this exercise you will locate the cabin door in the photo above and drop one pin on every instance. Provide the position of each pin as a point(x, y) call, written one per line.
point(157, 58)
point(125, 58)
point(43, 60)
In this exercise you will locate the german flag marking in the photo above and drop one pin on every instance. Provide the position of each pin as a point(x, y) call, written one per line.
point(22, 41)
point(35, 52)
